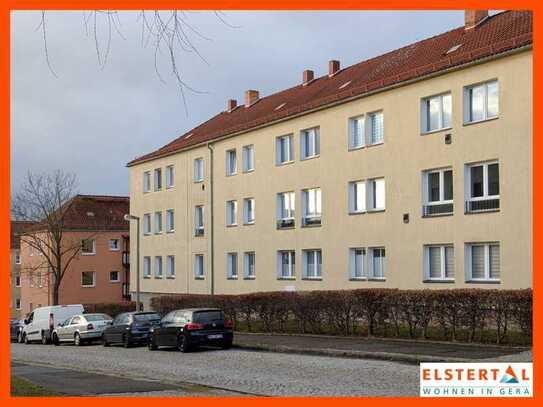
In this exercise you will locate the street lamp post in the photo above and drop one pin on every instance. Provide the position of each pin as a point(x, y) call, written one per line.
point(128, 218)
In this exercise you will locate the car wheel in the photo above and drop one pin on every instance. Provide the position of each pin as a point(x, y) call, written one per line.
point(227, 344)
point(56, 342)
point(77, 340)
point(104, 341)
point(182, 343)
point(126, 341)
point(151, 344)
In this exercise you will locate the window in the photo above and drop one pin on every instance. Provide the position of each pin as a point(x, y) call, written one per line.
point(199, 220)
point(286, 264)
point(310, 143)
point(147, 224)
point(231, 162)
point(170, 222)
point(113, 276)
point(146, 267)
point(436, 113)
point(17, 258)
point(146, 181)
point(170, 267)
point(357, 263)
point(169, 176)
point(231, 213)
point(158, 266)
point(438, 262)
point(248, 158)
point(482, 262)
point(88, 247)
point(375, 128)
point(198, 175)
point(199, 266)
point(437, 191)
point(481, 102)
point(232, 265)
point(158, 179)
point(88, 279)
point(40, 282)
point(249, 211)
point(17, 303)
point(311, 207)
point(357, 197)
point(285, 209)
point(249, 265)
point(284, 150)
point(17, 281)
point(356, 132)
point(312, 264)
point(114, 245)
point(158, 222)
point(376, 194)
point(482, 187)
point(377, 263)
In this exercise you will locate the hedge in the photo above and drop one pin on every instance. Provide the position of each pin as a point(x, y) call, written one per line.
point(472, 315)
point(110, 308)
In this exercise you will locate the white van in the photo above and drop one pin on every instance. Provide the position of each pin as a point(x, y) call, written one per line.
point(39, 324)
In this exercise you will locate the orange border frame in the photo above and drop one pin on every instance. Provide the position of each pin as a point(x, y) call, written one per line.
point(7, 6)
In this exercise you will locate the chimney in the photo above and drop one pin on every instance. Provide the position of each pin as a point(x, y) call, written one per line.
point(232, 103)
point(309, 75)
point(474, 17)
point(333, 67)
point(251, 97)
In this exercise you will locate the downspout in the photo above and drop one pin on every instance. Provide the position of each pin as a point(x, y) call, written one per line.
point(211, 221)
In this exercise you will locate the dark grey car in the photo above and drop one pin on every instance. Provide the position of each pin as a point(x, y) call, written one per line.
point(130, 328)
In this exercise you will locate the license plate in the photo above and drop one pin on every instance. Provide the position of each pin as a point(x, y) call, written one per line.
point(218, 336)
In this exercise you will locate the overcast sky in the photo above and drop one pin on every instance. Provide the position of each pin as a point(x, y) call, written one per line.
point(92, 121)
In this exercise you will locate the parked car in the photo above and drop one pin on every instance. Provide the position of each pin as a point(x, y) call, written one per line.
point(188, 328)
point(41, 322)
point(80, 329)
point(130, 328)
point(15, 330)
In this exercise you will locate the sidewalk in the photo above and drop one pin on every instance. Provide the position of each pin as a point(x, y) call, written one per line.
point(408, 351)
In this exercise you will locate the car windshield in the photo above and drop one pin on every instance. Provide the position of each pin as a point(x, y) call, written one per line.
point(146, 317)
point(207, 316)
point(98, 317)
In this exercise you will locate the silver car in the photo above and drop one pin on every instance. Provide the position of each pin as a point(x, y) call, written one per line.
point(81, 328)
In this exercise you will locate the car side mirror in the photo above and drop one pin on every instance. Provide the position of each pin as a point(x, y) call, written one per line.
point(25, 321)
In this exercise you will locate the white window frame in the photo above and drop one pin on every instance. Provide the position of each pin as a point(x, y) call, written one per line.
point(248, 203)
point(231, 162)
point(231, 263)
point(146, 181)
point(93, 273)
point(353, 195)
point(425, 113)
point(198, 170)
point(290, 150)
point(18, 258)
point(371, 203)
point(306, 197)
point(310, 143)
point(467, 177)
point(291, 265)
point(199, 268)
point(371, 268)
point(147, 224)
point(248, 153)
point(170, 266)
point(231, 213)
point(93, 247)
point(425, 185)
point(443, 262)
point(158, 223)
point(118, 276)
point(170, 221)
point(369, 128)
point(158, 179)
point(18, 280)
point(468, 117)
point(354, 127)
point(112, 248)
point(17, 303)
point(316, 272)
point(146, 266)
point(170, 176)
point(353, 275)
point(247, 274)
point(286, 197)
point(468, 262)
point(158, 267)
point(199, 225)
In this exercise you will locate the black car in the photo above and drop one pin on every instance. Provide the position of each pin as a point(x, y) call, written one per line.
point(130, 328)
point(188, 328)
point(15, 329)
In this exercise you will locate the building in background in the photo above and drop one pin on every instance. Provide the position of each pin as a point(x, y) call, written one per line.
point(100, 271)
point(17, 227)
point(409, 170)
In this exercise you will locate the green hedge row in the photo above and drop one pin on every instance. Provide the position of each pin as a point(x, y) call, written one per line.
point(456, 314)
point(110, 308)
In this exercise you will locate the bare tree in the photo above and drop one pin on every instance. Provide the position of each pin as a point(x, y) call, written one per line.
point(45, 199)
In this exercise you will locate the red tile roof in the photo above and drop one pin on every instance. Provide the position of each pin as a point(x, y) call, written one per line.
point(495, 35)
point(18, 227)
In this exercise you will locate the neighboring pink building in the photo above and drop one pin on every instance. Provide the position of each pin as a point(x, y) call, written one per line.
point(99, 273)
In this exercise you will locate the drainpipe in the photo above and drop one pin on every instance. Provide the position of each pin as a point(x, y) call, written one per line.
point(211, 221)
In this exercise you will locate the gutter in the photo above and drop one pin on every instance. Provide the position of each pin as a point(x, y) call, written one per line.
point(346, 100)
point(211, 221)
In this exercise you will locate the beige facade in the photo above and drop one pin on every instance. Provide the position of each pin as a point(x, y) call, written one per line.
point(401, 159)
point(15, 283)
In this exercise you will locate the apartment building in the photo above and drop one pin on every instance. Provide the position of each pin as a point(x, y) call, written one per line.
point(17, 228)
point(412, 169)
point(96, 235)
